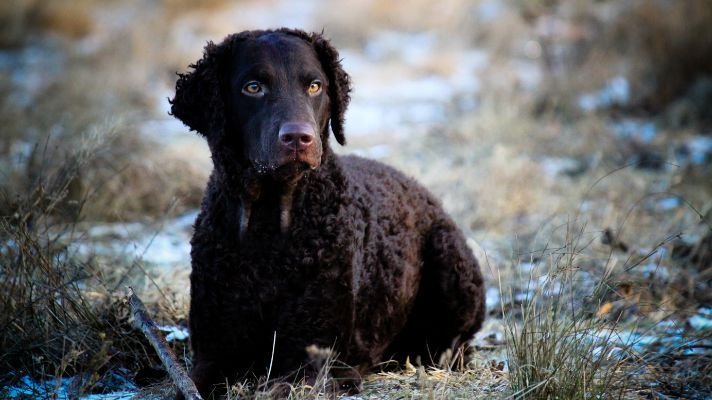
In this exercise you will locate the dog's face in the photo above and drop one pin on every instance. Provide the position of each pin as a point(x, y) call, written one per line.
point(265, 100)
point(277, 103)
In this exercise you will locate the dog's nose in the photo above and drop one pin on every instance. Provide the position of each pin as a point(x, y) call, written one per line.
point(296, 135)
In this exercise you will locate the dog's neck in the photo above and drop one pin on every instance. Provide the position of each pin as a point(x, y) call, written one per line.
point(284, 191)
point(259, 192)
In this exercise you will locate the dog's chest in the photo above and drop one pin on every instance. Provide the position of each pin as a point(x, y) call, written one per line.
point(273, 265)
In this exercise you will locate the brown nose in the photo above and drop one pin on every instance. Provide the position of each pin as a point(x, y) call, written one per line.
point(296, 135)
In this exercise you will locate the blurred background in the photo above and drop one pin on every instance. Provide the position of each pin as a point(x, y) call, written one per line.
point(541, 124)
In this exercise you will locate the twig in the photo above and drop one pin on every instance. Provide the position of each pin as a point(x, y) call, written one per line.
point(178, 374)
point(271, 359)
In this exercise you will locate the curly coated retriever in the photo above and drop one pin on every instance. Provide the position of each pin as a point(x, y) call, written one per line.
point(297, 243)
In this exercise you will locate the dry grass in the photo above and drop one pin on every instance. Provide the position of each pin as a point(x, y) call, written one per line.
point(497, 185)
point(474, 382)
point(475, 379)
point(19, 19)
point(668, 42)
point(122, 177)
point(659, 46)
point(555, 348)
point(59, 316)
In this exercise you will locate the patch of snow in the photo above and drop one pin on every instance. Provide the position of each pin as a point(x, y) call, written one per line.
point(398, 119)
point(474, 59)
point(671, 325)
point(654, 270)
point(31, 68)
point(464, 78)
point(8, 246)
point(527, 267)
point(423, 113)
point(492, 298)
point(703, 319)
point(411, 48)
point(366, 119)
point(377, 151)
point(163, 246)
point(354, 61)
point(529, 75)
point(634, 340)
point(550, 287)
point(615, 92)
point(555, 166)
point(160, 127)
point(176, 333)
point(695, 151)
point(20, 152)
point(429, 88)
point(58, 389)
point(185, 222)
point(669, 203)
point(523, 297)
point(121, 395)
point(699, 322)
point(466, 103)
point(489, 10)
point(119, 230)
point(611, 353)
point(634, 129)
point(411, 98)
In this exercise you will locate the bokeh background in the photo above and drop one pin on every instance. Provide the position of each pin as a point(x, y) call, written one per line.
point(561, 135)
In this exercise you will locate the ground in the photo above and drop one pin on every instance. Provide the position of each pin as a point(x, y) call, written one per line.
point(570, 141)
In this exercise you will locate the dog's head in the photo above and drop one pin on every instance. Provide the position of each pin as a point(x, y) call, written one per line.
point(267, 99)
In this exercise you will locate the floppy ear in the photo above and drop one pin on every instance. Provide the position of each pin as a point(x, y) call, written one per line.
point(199, 101)
point(339, 84)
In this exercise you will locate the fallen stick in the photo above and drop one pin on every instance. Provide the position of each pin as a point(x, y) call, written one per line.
point(178, 374)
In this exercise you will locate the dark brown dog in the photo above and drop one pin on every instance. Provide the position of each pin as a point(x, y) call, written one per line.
point(292, 240)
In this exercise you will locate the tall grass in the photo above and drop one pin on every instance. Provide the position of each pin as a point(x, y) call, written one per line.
point(556, 347)
point(63, 169)
point(59, 319)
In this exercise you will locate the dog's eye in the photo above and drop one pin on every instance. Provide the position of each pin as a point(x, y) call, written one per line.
point(252, 88)
point(314, 87)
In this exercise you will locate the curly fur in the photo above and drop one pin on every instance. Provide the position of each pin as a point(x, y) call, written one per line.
point(371, 265)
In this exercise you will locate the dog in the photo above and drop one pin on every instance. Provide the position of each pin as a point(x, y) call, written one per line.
point(298, 248)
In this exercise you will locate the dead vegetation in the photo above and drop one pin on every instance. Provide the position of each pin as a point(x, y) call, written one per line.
point(59, 313)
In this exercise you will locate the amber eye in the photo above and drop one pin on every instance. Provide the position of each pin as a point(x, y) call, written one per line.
point(252, 88)
point(314, 87)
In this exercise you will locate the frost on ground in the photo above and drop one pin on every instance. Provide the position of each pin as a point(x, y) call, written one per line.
point(62, 389)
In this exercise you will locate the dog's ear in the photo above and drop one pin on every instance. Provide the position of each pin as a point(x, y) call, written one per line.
point(339, 84)
point(199, 101)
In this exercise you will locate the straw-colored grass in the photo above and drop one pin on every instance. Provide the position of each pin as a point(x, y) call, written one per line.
point(556, 347)
point(53, 326)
